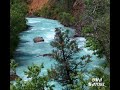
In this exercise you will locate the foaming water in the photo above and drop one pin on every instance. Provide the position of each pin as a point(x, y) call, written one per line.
point(29, 52)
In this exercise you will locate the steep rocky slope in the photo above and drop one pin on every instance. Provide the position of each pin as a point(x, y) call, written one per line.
point(78, 8)
point(34, 5)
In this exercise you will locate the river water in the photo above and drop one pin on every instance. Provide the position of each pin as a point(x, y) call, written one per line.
point(28, 52)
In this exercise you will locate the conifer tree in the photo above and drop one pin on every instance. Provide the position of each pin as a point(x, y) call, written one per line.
point(64, 50)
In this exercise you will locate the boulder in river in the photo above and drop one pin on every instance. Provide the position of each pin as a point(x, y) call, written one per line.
point(38, 39)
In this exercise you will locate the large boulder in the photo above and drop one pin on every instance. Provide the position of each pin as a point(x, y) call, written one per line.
point(38, 39)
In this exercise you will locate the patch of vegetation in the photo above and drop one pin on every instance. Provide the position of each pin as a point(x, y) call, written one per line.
point(66, 18)
point(36, 81)
point(18, 11)
point(97, 32)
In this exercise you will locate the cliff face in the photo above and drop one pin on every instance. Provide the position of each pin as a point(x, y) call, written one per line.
point(35, 5)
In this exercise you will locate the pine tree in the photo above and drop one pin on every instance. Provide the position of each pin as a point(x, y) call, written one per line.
point(64, 49)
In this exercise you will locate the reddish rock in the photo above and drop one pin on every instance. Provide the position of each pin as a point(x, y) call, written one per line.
point(38, 39)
